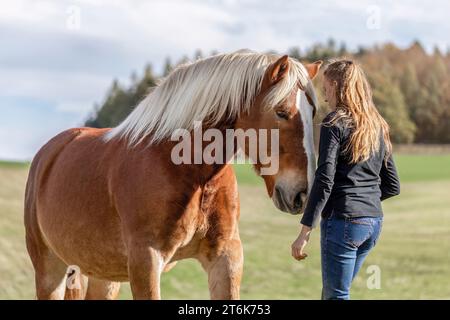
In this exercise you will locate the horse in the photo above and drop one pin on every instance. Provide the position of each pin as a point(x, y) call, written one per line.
point(112, 204)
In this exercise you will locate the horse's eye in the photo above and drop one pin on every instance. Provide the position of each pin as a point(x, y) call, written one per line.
point(283, 115)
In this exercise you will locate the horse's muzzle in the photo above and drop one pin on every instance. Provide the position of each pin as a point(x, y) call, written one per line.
point(291, 201)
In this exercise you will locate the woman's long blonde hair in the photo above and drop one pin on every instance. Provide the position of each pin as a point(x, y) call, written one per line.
point(355, 107)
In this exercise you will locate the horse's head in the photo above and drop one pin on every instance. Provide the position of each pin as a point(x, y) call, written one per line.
point(287, 102)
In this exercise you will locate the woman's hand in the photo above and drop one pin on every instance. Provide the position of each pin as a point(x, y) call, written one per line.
point(298, 246)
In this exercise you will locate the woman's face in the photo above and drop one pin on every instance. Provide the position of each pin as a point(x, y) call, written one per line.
point(329, 87)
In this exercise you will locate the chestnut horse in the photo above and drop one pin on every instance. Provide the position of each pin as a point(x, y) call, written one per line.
point(112, 202)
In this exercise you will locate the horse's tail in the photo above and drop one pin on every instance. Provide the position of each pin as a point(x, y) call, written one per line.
point(38, 173)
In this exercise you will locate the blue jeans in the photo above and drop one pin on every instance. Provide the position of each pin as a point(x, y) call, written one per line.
point(345, 243)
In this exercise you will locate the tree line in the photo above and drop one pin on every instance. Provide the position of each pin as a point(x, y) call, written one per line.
point(411, 88)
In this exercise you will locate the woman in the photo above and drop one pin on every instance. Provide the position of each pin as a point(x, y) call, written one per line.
point(355, 173)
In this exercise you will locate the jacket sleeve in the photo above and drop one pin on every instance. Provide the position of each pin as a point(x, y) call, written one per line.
point(329, 148)
point(390, 183)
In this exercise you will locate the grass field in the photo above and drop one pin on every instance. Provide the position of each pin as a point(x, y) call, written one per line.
point(413, 253)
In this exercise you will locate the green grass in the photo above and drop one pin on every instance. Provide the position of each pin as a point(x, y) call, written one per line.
point(246, 175)
point(412, 168)
point(13, 164)
point(415, 168)
point(413, 253)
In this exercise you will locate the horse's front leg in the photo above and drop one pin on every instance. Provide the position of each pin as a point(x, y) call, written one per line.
point(224, 267)
point(145, 265)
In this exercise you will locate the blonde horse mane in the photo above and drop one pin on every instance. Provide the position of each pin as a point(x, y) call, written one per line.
point(215, 88)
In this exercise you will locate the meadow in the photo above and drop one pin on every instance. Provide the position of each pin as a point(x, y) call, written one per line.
point(413, 254)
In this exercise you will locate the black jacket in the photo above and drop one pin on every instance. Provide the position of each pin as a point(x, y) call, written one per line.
point(344, 189)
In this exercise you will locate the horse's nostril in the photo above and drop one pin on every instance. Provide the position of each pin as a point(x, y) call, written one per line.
point(283, 205)
point(278, 193)
point(298, 201)
point(286, 202)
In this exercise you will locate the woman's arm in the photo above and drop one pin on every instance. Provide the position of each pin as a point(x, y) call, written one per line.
point(390, 183)
point(329, 148)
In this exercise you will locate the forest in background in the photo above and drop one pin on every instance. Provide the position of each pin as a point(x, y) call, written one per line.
point(411, 88)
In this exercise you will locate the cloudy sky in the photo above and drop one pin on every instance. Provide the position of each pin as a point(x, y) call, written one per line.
point(57, 58)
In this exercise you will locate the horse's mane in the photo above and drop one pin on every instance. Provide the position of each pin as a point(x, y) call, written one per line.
point(214, 88)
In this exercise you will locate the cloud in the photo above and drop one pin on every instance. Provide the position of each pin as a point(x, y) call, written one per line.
point(59, 57)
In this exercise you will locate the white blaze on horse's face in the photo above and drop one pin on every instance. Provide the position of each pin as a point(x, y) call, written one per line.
point(306, 114)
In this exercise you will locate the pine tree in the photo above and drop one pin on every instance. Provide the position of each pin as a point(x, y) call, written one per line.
point(391, 104)
point(167, 67)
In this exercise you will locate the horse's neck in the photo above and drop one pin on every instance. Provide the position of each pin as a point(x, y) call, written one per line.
point(199, 173)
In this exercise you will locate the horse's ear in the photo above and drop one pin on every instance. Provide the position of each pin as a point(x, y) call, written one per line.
point(279, 69)
point(313, 68)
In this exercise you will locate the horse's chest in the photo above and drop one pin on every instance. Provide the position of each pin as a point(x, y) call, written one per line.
point(196, 220)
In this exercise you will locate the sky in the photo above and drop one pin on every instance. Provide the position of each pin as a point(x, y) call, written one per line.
point(58, 58)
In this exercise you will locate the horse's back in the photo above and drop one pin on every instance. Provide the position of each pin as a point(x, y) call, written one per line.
point(39, 167)
point(44, 160)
